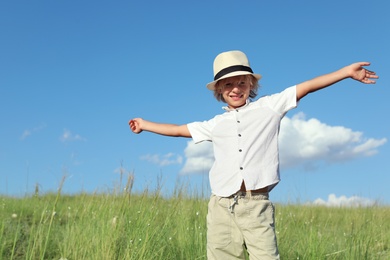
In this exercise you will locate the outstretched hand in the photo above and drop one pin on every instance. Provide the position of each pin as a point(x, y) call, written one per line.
point(357, 72)
point(135, 125)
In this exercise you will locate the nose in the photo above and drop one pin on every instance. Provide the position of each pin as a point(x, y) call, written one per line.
point(236, 88)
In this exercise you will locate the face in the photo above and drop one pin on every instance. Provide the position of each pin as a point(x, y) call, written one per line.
point(235, 91)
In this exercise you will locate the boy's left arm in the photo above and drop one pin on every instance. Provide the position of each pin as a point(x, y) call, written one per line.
point(354, 71)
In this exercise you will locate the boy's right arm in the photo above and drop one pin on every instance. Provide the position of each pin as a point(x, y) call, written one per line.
point(137, 125)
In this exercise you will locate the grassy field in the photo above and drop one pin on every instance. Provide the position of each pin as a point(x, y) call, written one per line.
point(124, 225)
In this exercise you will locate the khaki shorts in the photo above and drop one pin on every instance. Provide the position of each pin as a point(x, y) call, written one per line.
point(241, 222)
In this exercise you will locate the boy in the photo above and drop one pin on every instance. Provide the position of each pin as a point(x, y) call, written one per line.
point(245, 140)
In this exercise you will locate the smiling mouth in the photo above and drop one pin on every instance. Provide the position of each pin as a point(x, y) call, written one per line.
point(236, 97)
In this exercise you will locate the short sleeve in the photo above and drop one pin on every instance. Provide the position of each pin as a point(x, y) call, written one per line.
point(201, 131)
point(284, 101)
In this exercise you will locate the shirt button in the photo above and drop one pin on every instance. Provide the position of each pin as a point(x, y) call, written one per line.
point(240, 150)
point(241, 168)
point(238, 121)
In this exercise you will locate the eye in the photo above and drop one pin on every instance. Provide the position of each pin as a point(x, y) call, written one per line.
point(228, 85)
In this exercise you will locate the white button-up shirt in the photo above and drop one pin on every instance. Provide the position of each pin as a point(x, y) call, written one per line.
point(245, 142)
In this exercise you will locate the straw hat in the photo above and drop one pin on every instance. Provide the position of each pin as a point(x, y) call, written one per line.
point(230, 64)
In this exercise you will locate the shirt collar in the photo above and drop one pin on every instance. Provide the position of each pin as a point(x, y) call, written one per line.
point(228, 109)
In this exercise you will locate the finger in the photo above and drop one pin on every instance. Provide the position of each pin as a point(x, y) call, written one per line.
point(370, 72)
point(372, 76)
point(368, 81)
point(364, 63)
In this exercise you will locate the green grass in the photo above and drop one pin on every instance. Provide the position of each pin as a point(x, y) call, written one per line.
point(124, 225)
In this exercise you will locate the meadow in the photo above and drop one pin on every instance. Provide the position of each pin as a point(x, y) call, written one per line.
point(121, 224)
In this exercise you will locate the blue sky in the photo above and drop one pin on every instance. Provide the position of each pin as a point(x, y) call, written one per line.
point(72, 73)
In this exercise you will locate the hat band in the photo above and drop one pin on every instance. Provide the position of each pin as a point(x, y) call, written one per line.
point(231, 69)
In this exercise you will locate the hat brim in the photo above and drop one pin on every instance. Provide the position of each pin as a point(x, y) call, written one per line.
point(211, 85)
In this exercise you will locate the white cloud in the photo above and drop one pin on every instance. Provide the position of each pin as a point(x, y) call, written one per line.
point(304, 143)
point(26, 133)
point(163, 160)
point(200, 158)
point(343, 201)
point(67, 136)
point(308, 142)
